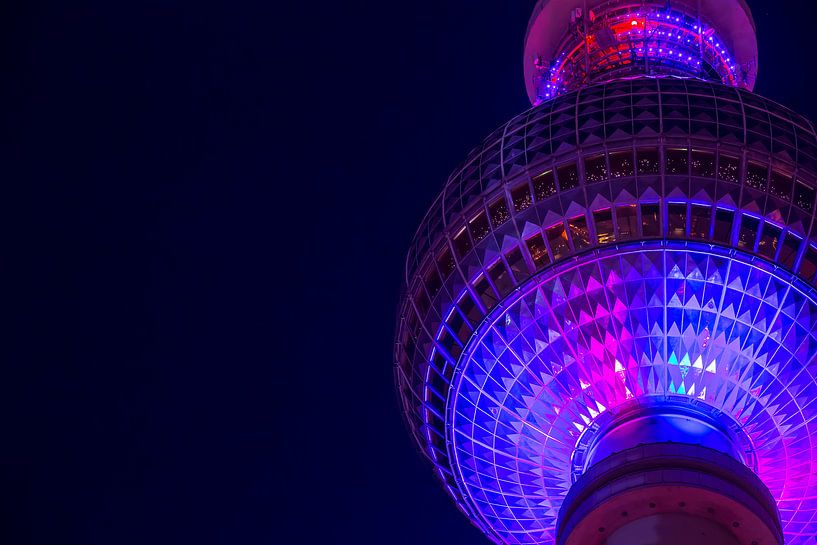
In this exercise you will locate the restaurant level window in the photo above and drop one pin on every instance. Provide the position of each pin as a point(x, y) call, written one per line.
point(603, 220)
point(521, 197)
point(723, 226)
point(544, 185)
point(579, 232)
point(462, 243)
point(568, 176)
point(769, 236)
point(703, 164)
point(808, 267)
point(499, 212)
point(421, 300)
point(756, 175)
point(557, 239)
point(485, 292)
point(433, 282)
point(538, 251)
point(677, 161)
point(651, 220)
point(627, 218)
point(648, 161)
point(519, 269)
point(781, 186)
point(621, 164)
point(445, 262)
point(728, 168)
point(456, 323)
point(788, 250)
point(804, 197)
point(501, 278)
point(699, 217)
point(595, 169)
point(469, 309)
point(479, 227)
point(676, 220)
point(748, 232)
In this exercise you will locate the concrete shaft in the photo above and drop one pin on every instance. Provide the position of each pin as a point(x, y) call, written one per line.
point(669, 493)
point(672, 529)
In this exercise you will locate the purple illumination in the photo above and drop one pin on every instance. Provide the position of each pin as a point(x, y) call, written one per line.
point(620, 281)
point(587, 338)
point(657, 41)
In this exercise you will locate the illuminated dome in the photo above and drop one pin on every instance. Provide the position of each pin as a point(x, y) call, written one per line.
point(570, 44)
point(623, 277)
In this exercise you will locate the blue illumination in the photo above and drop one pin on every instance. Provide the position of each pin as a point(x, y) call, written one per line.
point(583, 339)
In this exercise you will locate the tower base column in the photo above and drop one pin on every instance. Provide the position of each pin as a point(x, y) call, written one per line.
point(668, 494)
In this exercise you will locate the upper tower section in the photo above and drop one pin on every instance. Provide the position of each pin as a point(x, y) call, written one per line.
point(573, 43)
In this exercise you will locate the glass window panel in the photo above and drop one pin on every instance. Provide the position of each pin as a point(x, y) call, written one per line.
point(449, 342)
point(568, 176)
point(788, 250)
point(648, 161)
point(499, 212)
point(433, 282)
point(703, 164)
point(621, 164)
point(603, 220)
point(501, 278)
point(516, 262)
point(456, 323)
point(538, 251)
point(479, 227)
point(445, 262)
point(676, 220)
point(728, 168)
point(767, 246)
point(627, 218)
point(699, 221)
point(809, 265)
point(803, 197)
point(756, 175)
point(748, 232)
point(723, 226)
point(436, 380)
point(595, 169)
point(421, 300)
point(470, 309)
point(521, 197)
point(651, 220)
point(579, 232)
point(677, 161)
point(780, 185)
point(462, 243)
point(557, 239)
point(485, 292)
point(544, 185)
point(438, 360)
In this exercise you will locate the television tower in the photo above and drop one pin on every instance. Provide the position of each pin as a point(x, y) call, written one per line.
point(608, 333)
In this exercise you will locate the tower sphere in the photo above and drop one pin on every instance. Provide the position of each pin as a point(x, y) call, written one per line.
point(609, 323)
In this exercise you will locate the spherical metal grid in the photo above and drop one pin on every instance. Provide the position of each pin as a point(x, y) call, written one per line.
point(586, 338)
point(642, 160)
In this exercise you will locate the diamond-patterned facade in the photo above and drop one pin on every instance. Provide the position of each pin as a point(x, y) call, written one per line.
point(648, 236)
point(584, 339)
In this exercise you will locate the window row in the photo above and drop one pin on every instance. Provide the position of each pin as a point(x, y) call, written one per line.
point(647, 161)
point(683, 221)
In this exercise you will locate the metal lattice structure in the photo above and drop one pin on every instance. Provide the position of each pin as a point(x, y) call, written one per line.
point(640, 239)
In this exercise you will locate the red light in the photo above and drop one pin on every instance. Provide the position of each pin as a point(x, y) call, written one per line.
point(634, 22)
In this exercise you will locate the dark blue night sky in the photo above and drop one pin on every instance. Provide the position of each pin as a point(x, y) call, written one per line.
point(206, 210)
